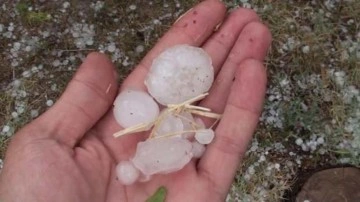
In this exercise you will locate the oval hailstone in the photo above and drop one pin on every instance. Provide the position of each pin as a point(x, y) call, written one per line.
point(162, 155)
point(204, 136)
point(180, 73)
point(134, 107)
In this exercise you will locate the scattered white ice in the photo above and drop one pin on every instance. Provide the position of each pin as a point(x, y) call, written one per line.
point(83, 35)
point(162, 155)
point(180, 73)
point(133, 107)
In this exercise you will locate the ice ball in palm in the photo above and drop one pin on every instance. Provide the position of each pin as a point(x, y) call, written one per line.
point(127, 173)
point(205, 136)
point(162, 155)
point(180, 73)
point(133, 107)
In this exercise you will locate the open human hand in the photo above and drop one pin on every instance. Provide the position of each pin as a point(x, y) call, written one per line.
point(69, 153)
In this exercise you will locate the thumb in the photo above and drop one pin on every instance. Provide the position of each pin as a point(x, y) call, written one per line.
point(86, 99)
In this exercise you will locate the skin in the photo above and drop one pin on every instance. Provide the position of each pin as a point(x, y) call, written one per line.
point(69, 154)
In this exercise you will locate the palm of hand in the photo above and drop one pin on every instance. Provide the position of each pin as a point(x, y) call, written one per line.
point(86, 173)
point(69, 154)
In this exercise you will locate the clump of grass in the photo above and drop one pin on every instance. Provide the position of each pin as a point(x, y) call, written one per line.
point(31, 17)
point(22, 7)
point(37, 17)
point(4, 141)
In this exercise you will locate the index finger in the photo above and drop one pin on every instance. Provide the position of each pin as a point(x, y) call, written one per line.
point(221, 159)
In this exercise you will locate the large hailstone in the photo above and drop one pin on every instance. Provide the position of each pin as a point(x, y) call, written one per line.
point(162, 155)
point(180, 73)
point(133, 107)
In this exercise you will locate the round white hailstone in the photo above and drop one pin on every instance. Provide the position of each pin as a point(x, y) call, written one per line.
point(34, 113)
point(320, 140)
point(139, 49)
point(49, 103)
point(111, 48)
point(299, 141)
point(180, 73)
point(134, 107)
point(162, 155)
point(197, 149)
point(28, 48)
point(277, 166)
point(170, 125)
point(306, 49)
point(14, 114)
point(127, 173)
point(205, 136)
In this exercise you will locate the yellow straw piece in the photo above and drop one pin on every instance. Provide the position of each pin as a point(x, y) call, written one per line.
point(133, 129)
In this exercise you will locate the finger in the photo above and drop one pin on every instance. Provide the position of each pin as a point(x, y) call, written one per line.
point(222, 157)
point(221, 42)
point(253, 42)
point(86, 99)
point(193, 28)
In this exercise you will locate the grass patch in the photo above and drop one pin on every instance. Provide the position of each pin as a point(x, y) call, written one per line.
point(31, 17)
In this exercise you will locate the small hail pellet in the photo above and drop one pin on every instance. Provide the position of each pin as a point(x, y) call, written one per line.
point(127, 173)
point(205, 136)
point(180, 73)
point(133, 107)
